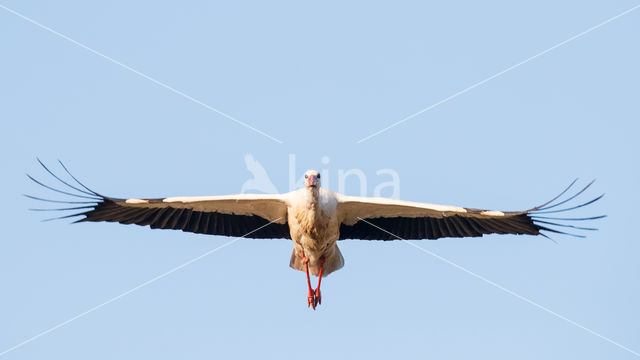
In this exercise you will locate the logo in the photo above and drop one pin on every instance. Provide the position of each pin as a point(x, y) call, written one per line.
point(261, 182)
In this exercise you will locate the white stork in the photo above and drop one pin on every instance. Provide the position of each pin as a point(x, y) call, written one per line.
point(313, 217)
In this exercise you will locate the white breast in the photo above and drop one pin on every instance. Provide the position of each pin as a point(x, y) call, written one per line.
point(313, 222)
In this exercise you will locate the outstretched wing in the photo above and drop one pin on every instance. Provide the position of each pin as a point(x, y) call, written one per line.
point(388, 219)
point(242, 215)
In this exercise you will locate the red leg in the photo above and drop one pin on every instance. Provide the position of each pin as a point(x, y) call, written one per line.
point(311, 299)
point(318, 296)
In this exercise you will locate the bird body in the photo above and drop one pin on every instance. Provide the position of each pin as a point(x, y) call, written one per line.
point(315, 218)
point(315, 228)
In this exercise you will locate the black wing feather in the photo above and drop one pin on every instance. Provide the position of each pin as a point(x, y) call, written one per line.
point(527, 222)
point(103, 208)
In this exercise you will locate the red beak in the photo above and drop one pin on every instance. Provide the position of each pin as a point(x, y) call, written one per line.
point(312, 180)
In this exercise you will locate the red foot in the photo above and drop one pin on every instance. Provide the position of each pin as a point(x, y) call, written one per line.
point(318, 297)
point(311, 299)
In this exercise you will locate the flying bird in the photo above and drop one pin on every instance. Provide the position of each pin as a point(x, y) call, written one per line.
point(314, 217)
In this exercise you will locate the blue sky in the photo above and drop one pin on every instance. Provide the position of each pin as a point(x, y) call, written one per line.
point(319, 77)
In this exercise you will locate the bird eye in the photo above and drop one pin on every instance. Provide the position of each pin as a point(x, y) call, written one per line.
point(318, 176)
point(306, 176)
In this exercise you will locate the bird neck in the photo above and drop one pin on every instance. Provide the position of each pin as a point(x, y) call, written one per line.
point(314, 196)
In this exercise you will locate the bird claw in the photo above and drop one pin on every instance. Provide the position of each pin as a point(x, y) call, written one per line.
point(311, 299)
point(318, 297)
point(314, 298)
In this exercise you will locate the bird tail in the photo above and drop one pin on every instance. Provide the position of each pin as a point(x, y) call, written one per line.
point(333, 261)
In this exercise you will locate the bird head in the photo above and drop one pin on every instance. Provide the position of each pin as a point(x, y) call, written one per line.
point(312, 179)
